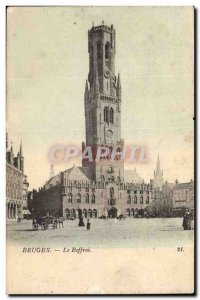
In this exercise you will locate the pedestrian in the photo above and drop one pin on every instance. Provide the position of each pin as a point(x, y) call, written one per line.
point(56, 223)
point(60, 222)
point(88, 224)
point(81, 222)
point(187, 222)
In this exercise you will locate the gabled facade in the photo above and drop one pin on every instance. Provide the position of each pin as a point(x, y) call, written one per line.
point(183, 196)
point(16, 183)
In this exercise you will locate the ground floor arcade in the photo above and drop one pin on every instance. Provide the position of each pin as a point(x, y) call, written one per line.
point(110, 212)
point(13, 210)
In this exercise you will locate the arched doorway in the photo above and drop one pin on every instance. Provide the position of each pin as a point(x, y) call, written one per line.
point(94, 213)
point(136, 213)
point(84, 213)
point(128, 212)
point(112, 213)
point(73, 213)
point(79, 213)
point(89, 213)
point(67, 213)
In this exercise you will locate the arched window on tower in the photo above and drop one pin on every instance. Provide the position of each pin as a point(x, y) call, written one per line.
point(111, 115)
point(106, 111)
point(104, 114)
point(107, 50)
point(98, 49)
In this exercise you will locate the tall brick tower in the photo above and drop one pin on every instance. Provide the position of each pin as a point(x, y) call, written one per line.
point(103, 104)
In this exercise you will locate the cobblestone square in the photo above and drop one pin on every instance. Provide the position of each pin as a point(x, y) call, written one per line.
point(156, 232)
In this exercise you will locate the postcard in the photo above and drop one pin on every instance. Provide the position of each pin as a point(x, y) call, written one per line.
point(100, 185)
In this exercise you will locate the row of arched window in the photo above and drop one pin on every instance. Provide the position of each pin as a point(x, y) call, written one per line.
point(108, 115)
point(85, 213)
point(107, 50)
point(78, 198)
point(135, 199)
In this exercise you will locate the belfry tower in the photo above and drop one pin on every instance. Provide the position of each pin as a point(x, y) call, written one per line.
point(103, 105)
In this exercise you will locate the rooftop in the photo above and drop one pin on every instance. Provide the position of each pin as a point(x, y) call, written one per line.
point(183, 186)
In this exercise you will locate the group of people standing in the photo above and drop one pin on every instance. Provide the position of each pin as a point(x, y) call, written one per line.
point(188, 221)
point(58, 222)
point(81, 223)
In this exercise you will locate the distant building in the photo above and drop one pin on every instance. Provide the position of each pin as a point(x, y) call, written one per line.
point(173, 199)
point(158, 175)
point(183, 197)
point(162, 204)
point(16, 183)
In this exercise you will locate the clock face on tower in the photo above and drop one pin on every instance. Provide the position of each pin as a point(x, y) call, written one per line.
point(109, 133)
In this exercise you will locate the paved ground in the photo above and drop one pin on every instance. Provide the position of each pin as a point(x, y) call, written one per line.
point(105, 233)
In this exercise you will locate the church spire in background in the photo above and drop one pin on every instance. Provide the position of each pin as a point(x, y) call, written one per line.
point(158, 164)
point(158, 175)
point(21, 158)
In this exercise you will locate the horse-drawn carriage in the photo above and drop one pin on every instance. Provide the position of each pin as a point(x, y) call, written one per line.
point(44, 223)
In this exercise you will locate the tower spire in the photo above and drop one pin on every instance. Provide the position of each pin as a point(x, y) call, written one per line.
point(158, 175)
point(11, 148)
point(21, 150)
point(119, 87)
point(51, 173)
point(158, 164)
point(21, 157)
point(86, 91)
point(11, 154)
point(119, 81)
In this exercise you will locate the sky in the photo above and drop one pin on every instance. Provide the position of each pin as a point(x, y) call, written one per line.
point(48, 64)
